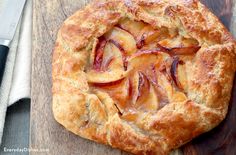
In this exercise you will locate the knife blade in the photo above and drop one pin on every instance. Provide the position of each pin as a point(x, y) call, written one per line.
point(9, 17)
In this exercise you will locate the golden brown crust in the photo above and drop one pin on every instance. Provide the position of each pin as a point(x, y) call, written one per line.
point(94, 116)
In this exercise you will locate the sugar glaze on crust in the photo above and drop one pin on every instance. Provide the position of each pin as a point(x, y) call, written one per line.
point(91, 111)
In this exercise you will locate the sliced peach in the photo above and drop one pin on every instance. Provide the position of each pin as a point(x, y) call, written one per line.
point(139, 87)
point(94, 76)
point(131, 26)
point(146, 36)
point(182, 76)
point(141, 60)
point(149, 35)
point(163, 89)
point(174, 72)
point(160, 95)
point(133, 87)
point(185, 50)
point(119, 92)
point(112, 58)
point(110, 71)
point(108, 84)
point(143, 87)
point(143, 93)
point(99, 50)
point(125, 39)
point(122, 52)
point(151, 101)
point(180, 45)
point(169, 93)
point(171, 42)
point(179, 50)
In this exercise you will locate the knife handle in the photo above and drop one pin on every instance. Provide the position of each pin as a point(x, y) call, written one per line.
point(3, 58)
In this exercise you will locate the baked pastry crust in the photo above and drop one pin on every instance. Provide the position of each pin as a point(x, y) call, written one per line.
point(94, 116)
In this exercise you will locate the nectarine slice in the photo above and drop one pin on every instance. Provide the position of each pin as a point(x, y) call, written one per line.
point(125, 39)
point(131, 26)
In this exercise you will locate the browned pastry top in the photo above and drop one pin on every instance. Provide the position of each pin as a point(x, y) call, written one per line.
point(142, 76)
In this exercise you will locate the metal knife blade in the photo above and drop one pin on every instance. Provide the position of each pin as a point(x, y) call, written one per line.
point(9, 18)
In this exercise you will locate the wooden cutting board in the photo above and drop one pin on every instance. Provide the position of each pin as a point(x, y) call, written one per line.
point(47, 134)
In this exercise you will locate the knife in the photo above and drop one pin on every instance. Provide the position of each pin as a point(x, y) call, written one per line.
point(9, 18)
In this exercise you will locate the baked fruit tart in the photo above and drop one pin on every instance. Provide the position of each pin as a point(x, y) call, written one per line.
point(144, 76)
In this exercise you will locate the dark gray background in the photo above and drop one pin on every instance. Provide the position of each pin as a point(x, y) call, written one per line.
point(16, 129)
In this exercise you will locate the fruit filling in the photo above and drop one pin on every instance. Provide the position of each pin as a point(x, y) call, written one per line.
point(142, 68)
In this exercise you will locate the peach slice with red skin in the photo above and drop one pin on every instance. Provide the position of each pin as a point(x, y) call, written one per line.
point(182, 76)
point(123, 38)
point(147, 97)
point(105, 77)
point(108, 84)
point(145, 58)
point(113, 57)
point(117, 90)
point(153, 74)
point(189, 50)
point(174, 72)
point(122, 51)
point(143, 87)
point(108, 72)
point(184, 50)
point(141, 93)
point(147, 35)
point(133, 87)
point(131, 26)
point(99, 50)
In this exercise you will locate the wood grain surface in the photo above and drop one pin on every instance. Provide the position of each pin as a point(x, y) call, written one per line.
point(50, 138)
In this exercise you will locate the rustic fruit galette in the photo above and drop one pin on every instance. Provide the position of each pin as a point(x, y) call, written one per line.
point(144, 76)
